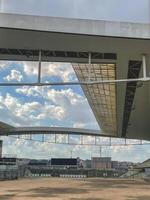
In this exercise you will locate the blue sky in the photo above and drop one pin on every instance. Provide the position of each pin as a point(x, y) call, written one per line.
point(60, 106)
point(60, 101)
point(51, 106)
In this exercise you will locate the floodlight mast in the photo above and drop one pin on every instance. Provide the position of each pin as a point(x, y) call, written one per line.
point(88, 82)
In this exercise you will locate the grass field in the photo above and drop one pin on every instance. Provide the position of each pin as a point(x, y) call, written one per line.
point(73, 189)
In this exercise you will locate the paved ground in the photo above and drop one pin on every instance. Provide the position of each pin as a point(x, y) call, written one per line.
point(70, 189)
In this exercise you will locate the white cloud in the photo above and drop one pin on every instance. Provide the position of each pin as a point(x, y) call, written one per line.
point(30, 68)
point(61, 105)
point(50, 71)
point(23, 148)
point(78, 125)
point(31, 91)
point(5, 64)
point(17, 112)
point(62, 70)
point(14, 76)
point(75, 108)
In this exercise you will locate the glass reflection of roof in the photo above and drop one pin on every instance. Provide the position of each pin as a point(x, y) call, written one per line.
point(101, 97)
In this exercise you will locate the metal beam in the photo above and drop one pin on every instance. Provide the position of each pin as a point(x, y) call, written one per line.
point(39, 67)
point(76, 83)
point(144, 66)
point(82, 143)
point(89, 82)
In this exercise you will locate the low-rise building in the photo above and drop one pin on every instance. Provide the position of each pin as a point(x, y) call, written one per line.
point(101, 162)
point(114, 164)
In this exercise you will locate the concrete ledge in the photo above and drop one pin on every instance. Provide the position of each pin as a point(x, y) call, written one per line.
point(75, 26)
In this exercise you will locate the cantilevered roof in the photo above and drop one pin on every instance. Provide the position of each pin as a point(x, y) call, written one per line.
point(101, 97)
point(75, 26)
point(4, 126)
point(126, 111)
point(6, 130)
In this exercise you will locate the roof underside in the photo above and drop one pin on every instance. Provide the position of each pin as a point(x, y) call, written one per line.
point(101, 97)
point(4, 126)
point(6, 130)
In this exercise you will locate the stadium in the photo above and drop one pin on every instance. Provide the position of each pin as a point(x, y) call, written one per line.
point(76, 82)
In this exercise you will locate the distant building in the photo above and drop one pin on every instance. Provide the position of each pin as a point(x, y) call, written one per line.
point(34, 162)
point(8, 161)
point(114, 164)
point(146, 167)
point(101, 162)
point(125, 165)
point(8, 168)
point(87, 164)
point(23, 161)
point(64, 163)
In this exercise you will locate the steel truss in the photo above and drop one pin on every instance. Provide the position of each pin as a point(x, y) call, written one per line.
point(87, 82)
point(98, 141)
point(133, 72)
